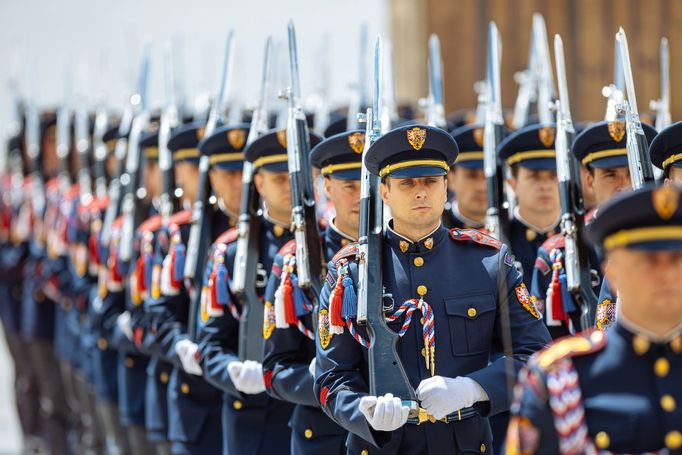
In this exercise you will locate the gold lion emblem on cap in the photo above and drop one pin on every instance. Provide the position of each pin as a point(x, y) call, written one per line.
point(236, 138)
point(478, 136)
point(282, 138)
point(416, 137)
point(356, 141)
point(546, 135)
point(200, 133)
point(616, 130)
point(665, 199)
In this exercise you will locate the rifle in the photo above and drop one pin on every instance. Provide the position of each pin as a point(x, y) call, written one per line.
point(639, 160)
point(662, 105)
point(358, 101)
point(303, 217)
point(248, 227)
point(497, 219)
point(545, 81)
point(33, 152)
point(435, 111)
point(576, 263)
point(124, 129)
point(82, 136)
point(386, 371)
point(131, 207)
point(202, 219)
point(170, 119)
point(63, 139)
point(614, 92)
point(101, 151)
point(527, 88)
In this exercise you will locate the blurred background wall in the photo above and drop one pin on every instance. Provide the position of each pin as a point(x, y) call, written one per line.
point(588, 29)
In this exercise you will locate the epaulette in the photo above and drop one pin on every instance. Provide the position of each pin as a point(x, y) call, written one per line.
point(227, 237)
point(52, 184)
point(288, 248)
point(475, 236)
point(572, 346)
point(345, 252)
point(151, 224)
point(182, 217)
point(554, 242)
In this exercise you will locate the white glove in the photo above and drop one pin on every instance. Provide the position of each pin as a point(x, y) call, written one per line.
point(123, 323)
point(247, 376)
point(188, 353)
point(385, 413)
point(441, 396)
point(311, 367)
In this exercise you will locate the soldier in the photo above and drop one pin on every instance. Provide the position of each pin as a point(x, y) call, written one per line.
point(13, 254)
point(38, 309)
point(600, 148)
point(194, 405)
point(616, 391)
point(467, 181)
point(455, 275)
point(253, 423)
point(290, 348)
point(529, 153)
point(665, 153)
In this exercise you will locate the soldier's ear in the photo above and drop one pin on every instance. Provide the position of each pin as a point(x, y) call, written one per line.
point(258, 181)
point(385, 189)
point(327, 186)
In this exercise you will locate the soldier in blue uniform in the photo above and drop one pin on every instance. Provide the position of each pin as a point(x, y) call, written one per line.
point(13, 254)
point(455, 277)
point(600, 149)
point(253, 422)
point(529, 153)
point(194, 405)
point(290, 346)
point(39, 298)
point(665, 150)
point(105, 308)
point(467, 181)
point(616, 391)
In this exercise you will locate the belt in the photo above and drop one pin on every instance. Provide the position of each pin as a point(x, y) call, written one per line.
point(461, 414)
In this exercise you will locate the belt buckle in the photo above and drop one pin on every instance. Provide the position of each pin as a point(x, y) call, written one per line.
point(425, 417)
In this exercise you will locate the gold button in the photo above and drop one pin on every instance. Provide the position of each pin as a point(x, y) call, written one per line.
point(102, 344)
point(673, 440)
point(308, 433)
point(471, 312)
point(482, 448)
point(364, 452)
point(602, 440)
point(278, 230)
point(531, 235)
point(129, 362)
point(676, 344)
point(419, 261)
point(640, 345)
point(668, 403)
point(421, 290)
point(237, 405)
point(662, 367)
point(163, 377)
point(184, 388)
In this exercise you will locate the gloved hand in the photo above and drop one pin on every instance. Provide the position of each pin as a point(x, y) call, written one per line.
point(187, 351)
point(441, 396)
point(247, 376)
point(311, 367)
point(123, 324)
point(385, 413)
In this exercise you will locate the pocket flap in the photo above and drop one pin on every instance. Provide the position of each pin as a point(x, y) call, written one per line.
point(469, 306)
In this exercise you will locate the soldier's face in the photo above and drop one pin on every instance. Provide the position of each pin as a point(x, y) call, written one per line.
point(537, 191)
point(649, 286)
point(227, 184)
point(49, 156)
point(345, 195)
point(415, 202)
point(588, 192)
point(152, 179)
point(186, 177)
point(606, 182)
point(675, 176)
point(470, 189)
point(275, 191)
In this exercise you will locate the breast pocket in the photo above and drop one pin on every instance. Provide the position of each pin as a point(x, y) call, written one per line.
point(471, 319)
